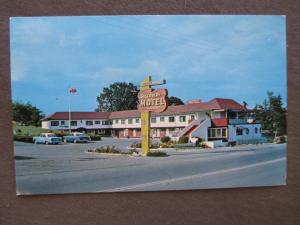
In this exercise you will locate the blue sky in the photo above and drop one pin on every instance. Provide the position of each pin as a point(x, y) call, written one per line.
point(201, 57)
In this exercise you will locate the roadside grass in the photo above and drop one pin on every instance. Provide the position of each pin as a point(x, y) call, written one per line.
point(28, 130)
point(113, 150)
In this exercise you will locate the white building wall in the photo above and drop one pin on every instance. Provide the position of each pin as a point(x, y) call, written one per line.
point(245, 137)
point(80, 124)
point(201, 130)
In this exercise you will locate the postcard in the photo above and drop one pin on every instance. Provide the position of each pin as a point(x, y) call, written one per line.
point(148, 103)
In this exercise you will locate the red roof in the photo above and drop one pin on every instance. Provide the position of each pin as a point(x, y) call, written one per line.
point(78, 115)
point(214, 104)
point(219, 122)
point(124, 114)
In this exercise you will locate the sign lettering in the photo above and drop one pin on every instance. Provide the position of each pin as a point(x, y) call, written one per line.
point(153, 101)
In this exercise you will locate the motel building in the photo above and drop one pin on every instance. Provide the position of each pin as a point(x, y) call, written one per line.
point(218, 122)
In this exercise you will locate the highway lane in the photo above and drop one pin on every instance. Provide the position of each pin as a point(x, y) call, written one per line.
point(68, 169)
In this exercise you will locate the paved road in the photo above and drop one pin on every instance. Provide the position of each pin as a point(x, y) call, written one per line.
point(43, 169)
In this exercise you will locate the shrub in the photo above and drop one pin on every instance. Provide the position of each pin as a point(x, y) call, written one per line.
point(139, 145)
point(157, 154)
point(199, 142)
point(132, 151)
point(183, 140)
point(27, 139)
point(136, 145)
point(167, 145)
point(59, 133)
point(107, 149)
point(95, 137)
point(165, 139)
point(280, 139)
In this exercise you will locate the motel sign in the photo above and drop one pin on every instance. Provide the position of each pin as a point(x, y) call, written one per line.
point(150, 101)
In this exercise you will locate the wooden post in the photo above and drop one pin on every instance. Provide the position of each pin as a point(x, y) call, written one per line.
point(145, 120)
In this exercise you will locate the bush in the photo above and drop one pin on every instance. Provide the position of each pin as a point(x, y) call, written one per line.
point(183, 140)
point(165, 139)
point(199, 142)
point(59, 133)
point(27, 139)
point(167, 145)
point(139, 145)
point(157, 154)
point(95, 137)
point(280, 139)
point(107, 149)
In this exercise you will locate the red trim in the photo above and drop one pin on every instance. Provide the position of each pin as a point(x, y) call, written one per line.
point(219, 122)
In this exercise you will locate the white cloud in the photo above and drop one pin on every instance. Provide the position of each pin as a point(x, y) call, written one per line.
point(146, 67)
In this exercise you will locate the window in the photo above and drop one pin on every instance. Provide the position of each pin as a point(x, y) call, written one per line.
point(102, 131)
point(105, 122)
point(153, 120)
point(97, 122)
point(116, 121)
point(192, 117)
point(224, 133)
point(137, 120)
point(217, 132)
point(129, 121)
point(171, 119)
point(89, 122)
point(162, 119)
point(122, 121)
point(247, 131)
point(255, 130)
point(239, 131)
point(73, 123)
point(182, 118)
point(62, 123)
point(54, 123)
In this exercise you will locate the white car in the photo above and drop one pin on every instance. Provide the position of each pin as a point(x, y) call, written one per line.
point(77, 137)
point(47, 138)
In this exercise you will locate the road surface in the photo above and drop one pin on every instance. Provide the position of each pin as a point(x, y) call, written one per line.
point(67, 168)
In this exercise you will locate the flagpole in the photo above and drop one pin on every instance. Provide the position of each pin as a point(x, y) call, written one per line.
point(69, 112)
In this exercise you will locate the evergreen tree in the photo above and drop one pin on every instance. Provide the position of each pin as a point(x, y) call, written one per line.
point(272, 114)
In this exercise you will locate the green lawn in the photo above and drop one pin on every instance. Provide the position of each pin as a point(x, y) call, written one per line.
point(28, 130)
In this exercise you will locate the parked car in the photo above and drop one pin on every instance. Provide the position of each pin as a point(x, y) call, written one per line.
point(76, 137)
point(47, 138)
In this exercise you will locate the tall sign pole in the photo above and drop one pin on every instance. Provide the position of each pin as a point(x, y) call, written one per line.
point(145, 120)
point(150, 101)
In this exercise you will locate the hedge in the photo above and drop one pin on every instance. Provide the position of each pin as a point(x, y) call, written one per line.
point(27, 139)
point(165, 139)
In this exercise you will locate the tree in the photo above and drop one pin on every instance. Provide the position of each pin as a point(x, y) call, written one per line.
point(272, 114)
point(26, 114)
point(117, 97)
point(245, 104)
point(175, 101)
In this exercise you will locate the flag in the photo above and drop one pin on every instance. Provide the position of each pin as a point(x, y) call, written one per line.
point(72, 90)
